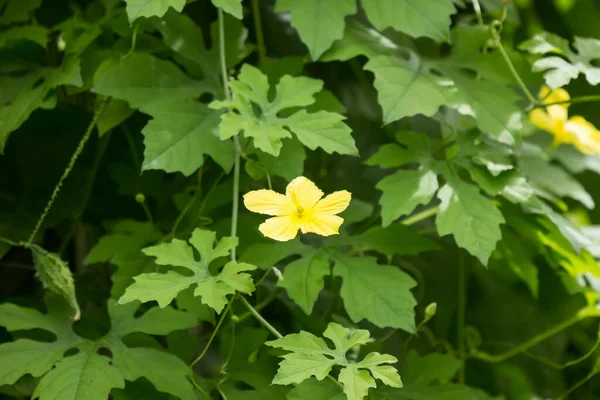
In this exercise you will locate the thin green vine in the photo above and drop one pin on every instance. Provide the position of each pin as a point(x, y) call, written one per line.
point(68, 170)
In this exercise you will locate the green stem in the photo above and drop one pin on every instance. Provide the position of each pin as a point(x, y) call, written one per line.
point(477, 8)
point(258, 30)
point(236, 142)
point(74, 157)
point(258, 307)
point(189, 203)
point(260, 318)
point(133, 41)
point(210, 340)
point(147, 211)
point(497, 358)
point(10, 242)
point(580, 99)
point(496, 38)
point(413, 219)
point(462, 302)
point(578, 384)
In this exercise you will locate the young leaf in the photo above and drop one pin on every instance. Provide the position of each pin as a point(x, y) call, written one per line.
point(322, 129)
point(55, 276)
point(319, 23)
point(472, 218)
point(311, 356)
point(213, 289)
point(404, 191)
point(558, 71)
point(151, 8)
point(303, 280)
point(378, 293)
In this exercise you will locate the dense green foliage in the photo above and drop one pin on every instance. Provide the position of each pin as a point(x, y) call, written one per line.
point(466, 266)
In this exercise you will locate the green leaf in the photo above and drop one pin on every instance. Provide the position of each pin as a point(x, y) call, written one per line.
point(151, 8)
point(559, 72)
point(494, 106)
point(37, 93)
point(321, 129)
point(165, 371)
point(267, 255)
point(145, 82)
point(233, 7)
point(86, 375)
point(430, 368)
point(404, 191)
point(155, 321)
point(358, 40)
point(18, 11)
point(26, 356)
point(55, 276)
point(405, 88)
point(315, 390)
point(520, 257)
point(213, 289)
point(472, 218)
point(391, 240)
point(319, 23)
point(289, 164)
point(184, 37)
point(180, 134)
point(310, 356)
point(430, 18)
point(303, 280)
point(413, 148)
point(562, 184)
point(408, 84)
point(34, 33)
point(125, 236)
point(378, 293)
point(115, 113)
point(357, 382)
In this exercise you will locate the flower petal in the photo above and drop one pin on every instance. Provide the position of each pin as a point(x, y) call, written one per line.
point(334, 203)
point(268, 202)
point(321, 224)
point(280, 228)
point(541, 119)
point(303, 193)
point(557, 112)
point(553, 96)
point(583, 135)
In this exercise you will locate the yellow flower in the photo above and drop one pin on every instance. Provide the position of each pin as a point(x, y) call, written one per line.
point(300, 208)
point(555, 119)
